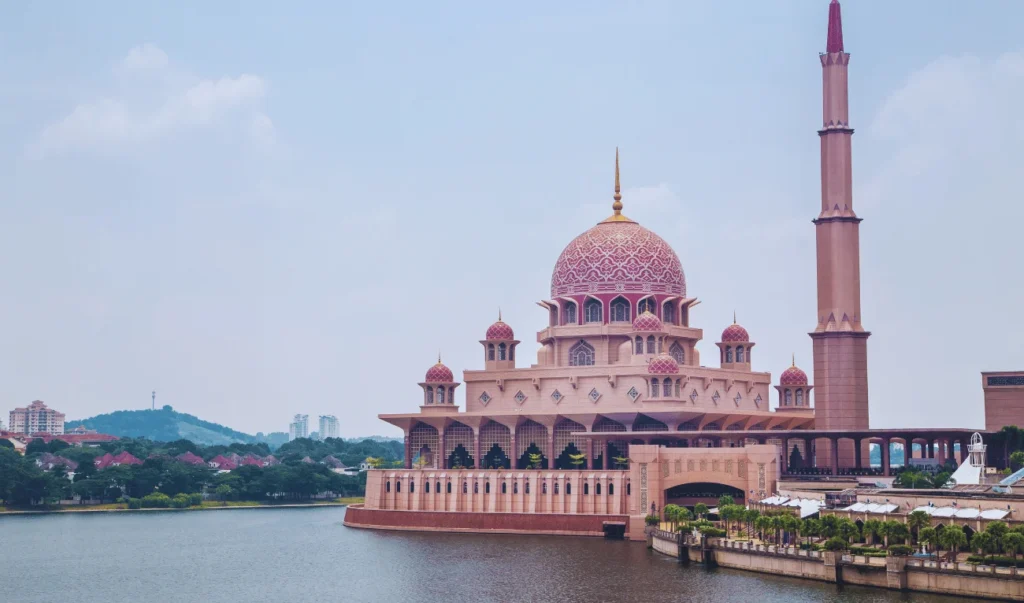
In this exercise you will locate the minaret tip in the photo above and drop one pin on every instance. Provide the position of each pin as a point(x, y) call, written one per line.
point(794, 354)
point(439, 357)
point(734, 317)
point(835, 28)
point(499, 313)
point(617, 205)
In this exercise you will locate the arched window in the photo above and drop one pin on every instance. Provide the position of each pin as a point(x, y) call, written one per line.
point(451, 395)
point(490, 351)
point(628, 488)
point(465, 488)
point(647, 305)
point(430, 395)
point(515, 487)
point(597, 489)
point(552, 316)
point(581, 354)
point(728, 353)
point(556, 488)
point(667, 387)
point(661, 344)
point(412, 486)
point(620, 310)
point(592, 311)
point(654, 387)
point(677, 352)
point(639, 345)
point(650, 344)
point(739, 353)
point(504, 488)
point(544, 488)
point(611, 489)
point(586, 489)
point(502, 351)
point(569, 314)
point(526, 487)
point(789, 397)
point(426, 486)
point(440, 395)
point(398, 486)
point(448, 488)
point(568, 488)
point(799, 397)
point(437, 488)
point(511, 352)
point(668, 313)
point(387, 487)
point(476, 487)
point(677, 388)
point(487, 487)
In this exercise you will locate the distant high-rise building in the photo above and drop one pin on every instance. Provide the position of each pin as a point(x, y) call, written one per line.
point(299, 427)
point(328, 427)
point(37, 418)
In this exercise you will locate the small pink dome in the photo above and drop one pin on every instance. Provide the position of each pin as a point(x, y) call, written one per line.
point(647, 322)
point(735, 332)
point(439, 373)
point(793, 376)
point(500, 330)
point(663, 364)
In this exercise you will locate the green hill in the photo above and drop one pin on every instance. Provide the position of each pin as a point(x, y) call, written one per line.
point(163, 425)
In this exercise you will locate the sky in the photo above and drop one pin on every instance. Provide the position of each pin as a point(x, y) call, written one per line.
point(260, 209)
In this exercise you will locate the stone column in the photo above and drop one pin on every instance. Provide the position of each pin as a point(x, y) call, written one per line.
point(590, 453)
point(608, 462)
point(885, 456)
point(834, 455)
point(443, 461)
point(478, 460)
point(856, 453)
point(552, 454)
point(785, 454)
point(809, 459)
point(408, 452)
point(513, 455)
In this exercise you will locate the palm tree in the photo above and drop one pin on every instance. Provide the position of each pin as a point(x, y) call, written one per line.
point(917, 520)
point(872, 528)
point(928, 536)
point(763, 524)
point(670, 512)
point(777, 527)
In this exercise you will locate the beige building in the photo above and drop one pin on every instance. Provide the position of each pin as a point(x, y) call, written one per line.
point(37, 418)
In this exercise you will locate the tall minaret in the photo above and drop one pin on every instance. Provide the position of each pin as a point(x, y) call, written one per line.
point(840, 341)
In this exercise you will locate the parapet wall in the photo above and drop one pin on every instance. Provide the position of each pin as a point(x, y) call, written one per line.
point(357, 516)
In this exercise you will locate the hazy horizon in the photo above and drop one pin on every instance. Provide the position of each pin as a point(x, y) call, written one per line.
point(259, 211)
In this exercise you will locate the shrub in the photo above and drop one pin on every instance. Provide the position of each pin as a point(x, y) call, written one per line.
point(836, 544)
point(900, 550)
point(711, 532)
point(181, 501)
point(652, 520)
point(195, 499)
point(156, 500)
point(1000, 561)
point(134, 503)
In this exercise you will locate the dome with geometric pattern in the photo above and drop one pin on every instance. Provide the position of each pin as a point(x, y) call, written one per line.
point(500, 330)
point(663, 364)
point(793, 376)
point(735, 332)
point(647, 322)
point(439, 373)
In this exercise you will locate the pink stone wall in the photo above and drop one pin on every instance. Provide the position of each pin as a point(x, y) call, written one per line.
point(1004, 400)
point(502, 523)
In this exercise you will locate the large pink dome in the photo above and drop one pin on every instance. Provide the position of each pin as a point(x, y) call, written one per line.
point(618, 256)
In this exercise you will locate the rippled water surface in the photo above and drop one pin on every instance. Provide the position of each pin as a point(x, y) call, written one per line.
point(291, 555)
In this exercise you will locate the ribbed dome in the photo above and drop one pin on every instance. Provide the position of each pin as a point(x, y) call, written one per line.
point(735, 332)
point(647, 322)
point(618, 256)
point(663, 364)
point(439, 373)
point(793, 376)
point(500, 330)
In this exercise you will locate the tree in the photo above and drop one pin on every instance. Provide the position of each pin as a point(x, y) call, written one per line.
point(829, 523)
point(763, 524)
point(750, 517)
point(56, 446)
point(700, 509)
point(939, 479)
point(984, 543)
point(1016, 460)
point(953, 539)
point(5, 443)
point(1012, 439)
point(812, 529)
point(223, 492)
point(669, 512)
point(1013, 543)
point(776, 522)
point(577, 460)
point(836, 544)
point(928, 537)
point(847, 529)
point(789, 524)
point(997, 529)
point(917, 520)
point(725, 500)
point(913, 479)
point(872, 529)
point(36, 446)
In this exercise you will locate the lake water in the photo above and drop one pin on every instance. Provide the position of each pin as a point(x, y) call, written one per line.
point(297, 555)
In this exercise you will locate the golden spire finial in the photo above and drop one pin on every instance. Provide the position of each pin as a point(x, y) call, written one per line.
point(794, 359)
point(439, 357)
point(499, 313)
point(617, 206)
point(734, 317)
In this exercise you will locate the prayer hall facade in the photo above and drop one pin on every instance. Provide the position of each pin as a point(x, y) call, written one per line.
point(617, 416)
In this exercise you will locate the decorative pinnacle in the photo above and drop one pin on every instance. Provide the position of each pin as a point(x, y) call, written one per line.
point(835, 28)
point(499, 313)
point(617, 206)
point(734, 317)
point(439, 357)
point(794, 354)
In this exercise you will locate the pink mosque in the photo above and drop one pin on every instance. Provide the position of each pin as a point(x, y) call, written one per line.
point(617, 416)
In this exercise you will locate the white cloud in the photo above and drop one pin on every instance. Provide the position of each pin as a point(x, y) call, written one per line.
point(136, 116)
point(147, 56)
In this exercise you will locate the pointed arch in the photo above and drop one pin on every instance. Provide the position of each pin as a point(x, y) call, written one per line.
point(566, 443)
point(458, 442)
point(619, 310)
point(645, 423)
point(639, 345)
point(581, 354)
point(502, 351)
point(531, 438)
point(647, 304)
point(423, 441)
point(592, 310)
point(740, 353)
point(650, 344)
point(728, 353)
point(490, 351)
point(677, 352)
point(569, 313)
point(495, 446)
point(668, 312)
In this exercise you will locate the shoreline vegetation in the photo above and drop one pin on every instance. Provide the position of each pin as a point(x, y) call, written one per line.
point(205, 506)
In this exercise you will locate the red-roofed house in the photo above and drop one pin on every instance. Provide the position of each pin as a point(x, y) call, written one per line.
point(191, 459)
point(49, 461)
point(270, 460)
point(252, 460)
point(222, 463)
point(125, 458)
point(102, 462)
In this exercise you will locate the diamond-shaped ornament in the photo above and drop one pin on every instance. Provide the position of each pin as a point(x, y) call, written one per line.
point(633, 394)
point(693, 396)
point(485, 398)
point(556, 396)
point(520, 397)
point(594, 395)
point(715, 397)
